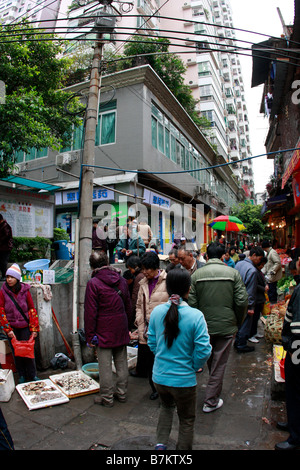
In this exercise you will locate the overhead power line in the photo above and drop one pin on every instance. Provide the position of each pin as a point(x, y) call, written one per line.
point(199, 38)
point(197, 169)
point(192, 22)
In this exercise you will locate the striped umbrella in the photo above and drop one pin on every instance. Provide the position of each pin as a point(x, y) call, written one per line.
point(227, 223)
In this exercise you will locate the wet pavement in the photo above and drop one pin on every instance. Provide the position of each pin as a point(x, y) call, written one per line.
point(247, 420)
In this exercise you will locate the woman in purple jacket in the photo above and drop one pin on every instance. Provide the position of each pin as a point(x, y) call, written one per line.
point(107, 313)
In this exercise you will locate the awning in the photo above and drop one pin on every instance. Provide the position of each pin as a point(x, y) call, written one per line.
point(103, 180)
point(274, 201)
point(31, 183)
point(260, 64)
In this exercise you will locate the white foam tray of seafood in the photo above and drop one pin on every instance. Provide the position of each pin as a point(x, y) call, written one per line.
point(131, 358)
point(41, 394)
point(75, 383)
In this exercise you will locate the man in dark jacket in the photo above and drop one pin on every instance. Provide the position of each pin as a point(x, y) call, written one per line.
point(219, 293)
point(187, 260)
point(249, 274)
point(6, 244)
point(107, 314)
point(291, 343)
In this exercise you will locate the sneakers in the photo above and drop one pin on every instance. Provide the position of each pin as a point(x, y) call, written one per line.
point(253, 340)
point(207, 409)
point(160, 447)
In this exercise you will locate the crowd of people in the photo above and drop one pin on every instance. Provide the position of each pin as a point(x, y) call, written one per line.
point(183, 316)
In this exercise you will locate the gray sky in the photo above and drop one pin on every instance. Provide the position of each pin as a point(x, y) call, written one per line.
point(260, 16)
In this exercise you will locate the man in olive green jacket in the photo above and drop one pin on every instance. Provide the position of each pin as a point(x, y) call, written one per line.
point(220, 293)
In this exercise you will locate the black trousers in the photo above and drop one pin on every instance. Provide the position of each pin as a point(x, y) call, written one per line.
point(4, 257)
point(145, 361)
point(26, 366)
point(292, 387)
point(272, 292)
point(6, 442)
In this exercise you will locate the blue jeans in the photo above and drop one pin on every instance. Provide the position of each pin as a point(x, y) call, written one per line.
point(184, 398)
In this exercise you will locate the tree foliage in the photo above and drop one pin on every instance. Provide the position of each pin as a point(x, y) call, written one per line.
point(33, 113)
point(251, 217)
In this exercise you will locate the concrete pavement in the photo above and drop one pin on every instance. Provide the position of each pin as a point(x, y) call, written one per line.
point(245, 422)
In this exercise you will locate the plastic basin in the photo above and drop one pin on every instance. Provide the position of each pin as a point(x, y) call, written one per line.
point(37, 264)
point(91, 369)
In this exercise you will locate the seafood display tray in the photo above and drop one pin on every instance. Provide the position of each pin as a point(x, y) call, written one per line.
point(75, 384)
point(41, 394)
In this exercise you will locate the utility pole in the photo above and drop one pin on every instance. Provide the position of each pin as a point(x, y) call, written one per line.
point(87, 172)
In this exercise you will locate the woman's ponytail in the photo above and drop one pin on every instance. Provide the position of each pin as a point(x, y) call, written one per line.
point(178, 283)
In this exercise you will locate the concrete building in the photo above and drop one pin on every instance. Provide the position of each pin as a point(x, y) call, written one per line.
point(202, 34)
point(42, 13)
point(142, 128)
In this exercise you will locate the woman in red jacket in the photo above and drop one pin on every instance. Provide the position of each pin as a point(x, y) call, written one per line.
point(14, 323)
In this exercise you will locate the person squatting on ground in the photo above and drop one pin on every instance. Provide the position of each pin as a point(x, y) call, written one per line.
point(291, 343)
point(107, 314)
point(219, 292)
point(152, 292)
point(179, 339)
point(19, 319)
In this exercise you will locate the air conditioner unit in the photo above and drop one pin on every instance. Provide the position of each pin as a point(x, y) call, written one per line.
point(63, 159)
point(206, 188)
point(199, 190)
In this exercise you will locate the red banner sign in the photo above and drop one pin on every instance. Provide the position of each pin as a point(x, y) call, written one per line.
point(296, 189)
point(294, 164)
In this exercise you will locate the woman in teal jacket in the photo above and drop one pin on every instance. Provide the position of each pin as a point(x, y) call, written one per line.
point(179, 339)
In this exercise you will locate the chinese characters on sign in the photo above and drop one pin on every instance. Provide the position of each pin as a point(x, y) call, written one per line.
point(72, 196)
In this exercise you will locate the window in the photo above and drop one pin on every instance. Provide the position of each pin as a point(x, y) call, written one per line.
point(154, 132)
point(161, 141)
point(204, 68)
point(33, 154)
point(107, 126)
point(173, 144)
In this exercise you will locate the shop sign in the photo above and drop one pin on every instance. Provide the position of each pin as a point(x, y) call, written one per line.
point(156, 199)
point(72, 196)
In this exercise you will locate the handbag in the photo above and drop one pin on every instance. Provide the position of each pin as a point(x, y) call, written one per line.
point(23, 348)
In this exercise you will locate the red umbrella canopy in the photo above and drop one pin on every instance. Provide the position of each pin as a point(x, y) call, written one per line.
point(228, 223)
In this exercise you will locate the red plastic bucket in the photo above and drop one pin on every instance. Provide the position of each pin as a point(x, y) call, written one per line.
point(281, 366)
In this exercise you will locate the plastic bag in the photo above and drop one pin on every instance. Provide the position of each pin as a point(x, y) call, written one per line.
point(60, 361)
point(267, 306)
point(273, 329)
point(23, 348)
